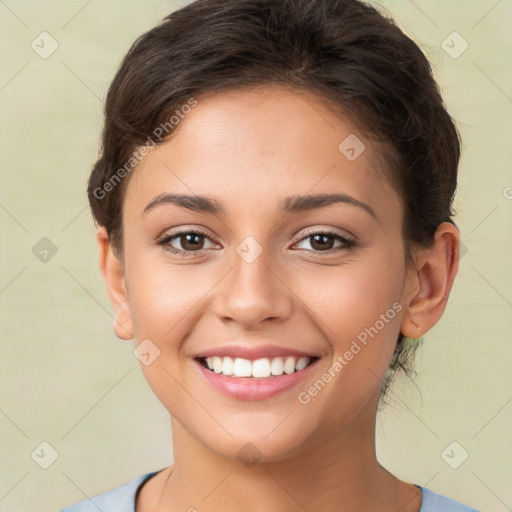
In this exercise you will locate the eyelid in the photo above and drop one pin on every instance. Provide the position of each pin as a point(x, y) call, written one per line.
point(181, 230)
point(169, 235)
point(325, 231)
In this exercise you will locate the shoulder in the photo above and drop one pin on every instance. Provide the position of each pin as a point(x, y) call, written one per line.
point(121, 499)
point(433, 502)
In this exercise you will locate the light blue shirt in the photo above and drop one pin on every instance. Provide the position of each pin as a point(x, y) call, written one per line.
point(122, 499)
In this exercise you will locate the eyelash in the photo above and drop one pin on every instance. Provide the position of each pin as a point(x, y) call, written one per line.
point(348, 243)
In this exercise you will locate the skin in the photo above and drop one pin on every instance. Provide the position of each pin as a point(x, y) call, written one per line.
point(249, 150)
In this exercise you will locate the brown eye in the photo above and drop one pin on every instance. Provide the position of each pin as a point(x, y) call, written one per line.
point(185, 242)
point(324, 242)
point(191, 241)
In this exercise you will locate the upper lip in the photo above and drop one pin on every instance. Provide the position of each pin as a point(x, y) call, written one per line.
point(252, 352)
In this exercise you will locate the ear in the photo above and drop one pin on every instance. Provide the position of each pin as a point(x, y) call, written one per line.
point(431, 281)
point(113, 275)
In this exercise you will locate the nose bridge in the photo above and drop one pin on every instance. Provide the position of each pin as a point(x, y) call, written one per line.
point(252, 292)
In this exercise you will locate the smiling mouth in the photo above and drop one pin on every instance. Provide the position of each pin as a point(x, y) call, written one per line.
point(256, 369)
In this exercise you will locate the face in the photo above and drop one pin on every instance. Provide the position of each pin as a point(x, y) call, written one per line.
point(252, 267)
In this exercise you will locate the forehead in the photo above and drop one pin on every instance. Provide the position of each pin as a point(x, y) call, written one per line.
point(259, 145)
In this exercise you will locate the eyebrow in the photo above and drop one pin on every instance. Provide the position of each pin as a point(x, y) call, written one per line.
point(293, 204)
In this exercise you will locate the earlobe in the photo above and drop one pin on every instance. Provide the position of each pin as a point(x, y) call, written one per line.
point(431, 282)
point(113, 275)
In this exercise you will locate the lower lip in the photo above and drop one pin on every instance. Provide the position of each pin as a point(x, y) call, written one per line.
point(246, 388)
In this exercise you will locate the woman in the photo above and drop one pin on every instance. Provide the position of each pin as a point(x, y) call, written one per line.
point(273, 201)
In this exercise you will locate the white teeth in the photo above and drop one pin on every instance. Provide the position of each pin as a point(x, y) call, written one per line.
point(242, 367)
point(260, 368)
point(217, 364)
point(289, 365)
point(302, 363)
point(276, 367)
point(227, 365)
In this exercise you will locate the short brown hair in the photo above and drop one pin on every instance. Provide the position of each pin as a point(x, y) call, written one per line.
point(345, 51)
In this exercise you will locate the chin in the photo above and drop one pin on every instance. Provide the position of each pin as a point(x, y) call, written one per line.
point(252, 444)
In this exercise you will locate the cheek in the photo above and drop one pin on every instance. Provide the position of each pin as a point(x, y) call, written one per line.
point(348, 299)
point(163, 296)
point(165, 301)
point(358, 309)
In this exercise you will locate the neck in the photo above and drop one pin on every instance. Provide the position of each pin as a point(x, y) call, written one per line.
point(340, 473)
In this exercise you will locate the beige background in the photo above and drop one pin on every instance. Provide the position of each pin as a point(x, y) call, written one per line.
point(68, 381)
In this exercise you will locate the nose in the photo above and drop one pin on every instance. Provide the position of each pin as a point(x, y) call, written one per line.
point(253, 293)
